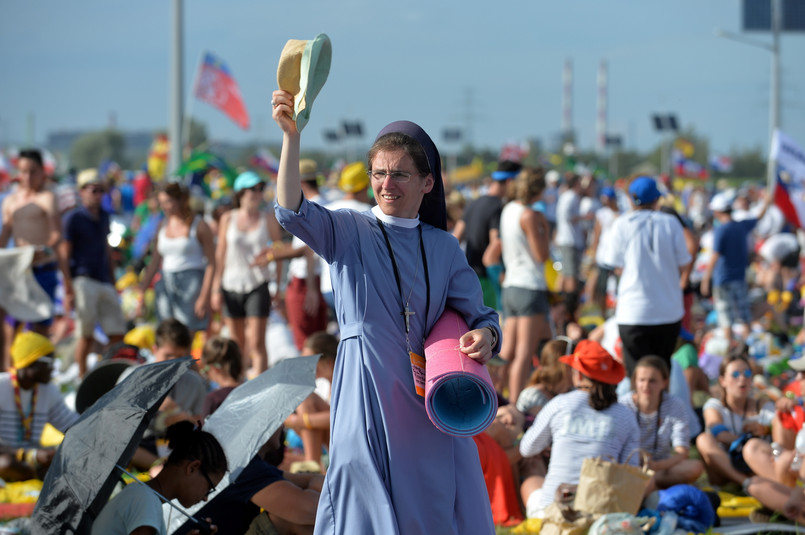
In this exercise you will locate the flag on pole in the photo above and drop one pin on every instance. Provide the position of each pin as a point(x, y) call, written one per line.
point(216, 86)
point(263, 159)
point(789, 188)
point(720, 163)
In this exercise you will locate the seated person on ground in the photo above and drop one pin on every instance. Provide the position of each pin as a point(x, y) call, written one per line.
point(196, 464)
point(663, 422)
point(737, 415)
point(222, 363)
point(311, 420)
point(289, 501)
point(586, 422)
point(28, 401)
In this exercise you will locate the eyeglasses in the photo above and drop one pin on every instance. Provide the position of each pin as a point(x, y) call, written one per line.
point(379, 175)
point(209, 482)
point(257, 188)
point(94, 189)
point(746, 373)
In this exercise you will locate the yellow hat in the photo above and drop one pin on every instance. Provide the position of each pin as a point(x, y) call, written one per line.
point(28, 347)
point(142, 336)
point(354, 178)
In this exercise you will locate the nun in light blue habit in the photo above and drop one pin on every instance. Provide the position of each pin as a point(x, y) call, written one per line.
point(394, 270)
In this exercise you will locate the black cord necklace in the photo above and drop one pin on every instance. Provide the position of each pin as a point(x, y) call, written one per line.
point(656, 429)
point(406, 312)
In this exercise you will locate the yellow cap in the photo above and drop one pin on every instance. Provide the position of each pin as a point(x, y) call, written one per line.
point(28, 347)
point(354, 178)
point(142, 336)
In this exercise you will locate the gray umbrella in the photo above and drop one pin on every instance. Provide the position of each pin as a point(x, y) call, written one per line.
point(252, 413)
point(83, 475)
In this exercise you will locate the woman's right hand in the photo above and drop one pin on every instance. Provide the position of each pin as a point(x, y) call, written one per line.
point(216, 301)
point(282, 112)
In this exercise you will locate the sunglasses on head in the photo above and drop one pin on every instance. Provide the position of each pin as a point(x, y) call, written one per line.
point(746, 373)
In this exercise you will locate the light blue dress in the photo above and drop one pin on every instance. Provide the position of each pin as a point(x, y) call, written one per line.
point(391, 471)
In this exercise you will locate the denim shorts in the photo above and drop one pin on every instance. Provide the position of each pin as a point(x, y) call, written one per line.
point(519, 302)
point(176, 294)
point(731, 303)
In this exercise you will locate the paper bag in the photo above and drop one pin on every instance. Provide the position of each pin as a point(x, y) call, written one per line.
point(608, 487)
point(568, 523)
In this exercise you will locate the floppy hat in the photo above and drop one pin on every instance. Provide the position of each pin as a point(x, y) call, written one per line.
point(354, 177)
point(721, 202)
point(552, 177)
point(302, 71)
point(28, 347)
point(308, 170)
point(87, 177)
point(643, 190)
point(595, 362)
point(246, 180)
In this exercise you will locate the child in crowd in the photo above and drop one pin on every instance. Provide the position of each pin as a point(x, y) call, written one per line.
point(549, 379)
point(311, 420)
point(222, 363)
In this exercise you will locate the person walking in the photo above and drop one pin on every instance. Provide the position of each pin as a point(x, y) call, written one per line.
point(647, 249)
point(240, 288)
point(91, 274)
point(185, 255)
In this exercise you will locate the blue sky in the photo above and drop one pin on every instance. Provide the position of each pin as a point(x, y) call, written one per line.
point(435, 62)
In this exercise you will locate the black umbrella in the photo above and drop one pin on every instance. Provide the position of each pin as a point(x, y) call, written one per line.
point(83, 474)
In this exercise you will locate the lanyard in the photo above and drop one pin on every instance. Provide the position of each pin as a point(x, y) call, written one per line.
point(26, 421)
point(406, 312)
point(657, 429)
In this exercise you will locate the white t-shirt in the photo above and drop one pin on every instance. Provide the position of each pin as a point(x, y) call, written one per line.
point(605, 216)
point(650, 248)
point(567, 232)
point(576, 431)
point(135, 506)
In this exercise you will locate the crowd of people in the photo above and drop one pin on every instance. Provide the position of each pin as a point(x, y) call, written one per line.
point(613, 316)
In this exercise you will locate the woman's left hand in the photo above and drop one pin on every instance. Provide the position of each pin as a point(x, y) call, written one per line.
point(477, 344)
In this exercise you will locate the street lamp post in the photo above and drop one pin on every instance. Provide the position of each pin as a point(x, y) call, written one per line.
point(774, 98)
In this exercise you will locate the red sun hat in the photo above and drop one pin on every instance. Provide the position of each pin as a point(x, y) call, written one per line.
point(595, 362)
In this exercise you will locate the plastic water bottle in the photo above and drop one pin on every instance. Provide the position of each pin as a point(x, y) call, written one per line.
point(799, 446)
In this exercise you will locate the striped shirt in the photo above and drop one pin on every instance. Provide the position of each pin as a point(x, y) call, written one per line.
point(575, 431)
point(50, 408)
point(673, 431)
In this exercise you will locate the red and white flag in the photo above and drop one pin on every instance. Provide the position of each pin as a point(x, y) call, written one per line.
point(216, 86)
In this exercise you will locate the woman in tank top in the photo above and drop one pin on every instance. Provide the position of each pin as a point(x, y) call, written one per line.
point(184, 253)
point(524, 237)
point(240, 288)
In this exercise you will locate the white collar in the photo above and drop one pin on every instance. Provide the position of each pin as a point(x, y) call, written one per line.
point(391, 220)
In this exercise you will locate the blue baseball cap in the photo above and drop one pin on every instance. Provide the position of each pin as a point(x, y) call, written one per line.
point(608, 192)
point(643, 190)
point(247, 179)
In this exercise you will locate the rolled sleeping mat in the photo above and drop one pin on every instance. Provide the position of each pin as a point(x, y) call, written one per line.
point(459, 397)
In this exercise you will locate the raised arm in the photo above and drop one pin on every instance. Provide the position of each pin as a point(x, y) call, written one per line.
point(289, 191)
